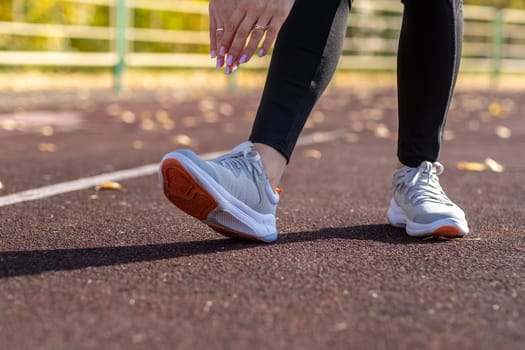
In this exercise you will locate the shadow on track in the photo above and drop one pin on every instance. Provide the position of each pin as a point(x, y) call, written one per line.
point(31, 262)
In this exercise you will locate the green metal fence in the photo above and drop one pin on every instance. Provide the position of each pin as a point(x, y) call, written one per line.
point(494, 38)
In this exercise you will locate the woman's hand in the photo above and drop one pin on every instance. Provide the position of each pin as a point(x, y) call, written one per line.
point(232, 22)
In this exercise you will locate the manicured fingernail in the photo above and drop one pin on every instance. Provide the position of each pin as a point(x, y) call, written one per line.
point(229, 60)
point(222, 51)
point(219, 62)
point(260, 53)
point(213, 54)
point(243, 59)
point(228, 70)
point(235, 68)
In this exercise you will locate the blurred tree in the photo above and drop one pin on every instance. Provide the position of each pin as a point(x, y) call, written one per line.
point(519, 4)
point(76, 13)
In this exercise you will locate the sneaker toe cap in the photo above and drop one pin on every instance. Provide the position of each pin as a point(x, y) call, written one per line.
point(430, 216)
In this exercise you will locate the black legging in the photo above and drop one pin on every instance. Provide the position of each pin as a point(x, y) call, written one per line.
point(305, 58)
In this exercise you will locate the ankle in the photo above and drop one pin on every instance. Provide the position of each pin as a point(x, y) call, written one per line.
point(273, 161)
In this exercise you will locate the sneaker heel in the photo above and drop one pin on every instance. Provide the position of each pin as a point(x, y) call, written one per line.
point(184, 192)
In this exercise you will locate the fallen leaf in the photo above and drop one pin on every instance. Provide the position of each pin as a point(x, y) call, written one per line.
point(503, 132)
point(318, 117)
point(168, 125)
point(312, 153)
point(47, 130)
point(164, 120)
point(448, 135)
point(495, 109)
point(137, 144)
point(382, 131)
point(162, 116)
point(128, 117)
point(226, 109)
point(47, 147)
point(110, 185)
point(113, 110)
point(207, 105)
point(147, 124)
point(8, 124)
point(183, 140)
point(319, 137)
point(472, 104)
point(494, 166)
point(309, 124)
point(471, 166)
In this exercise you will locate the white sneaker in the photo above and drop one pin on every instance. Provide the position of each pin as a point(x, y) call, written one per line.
point(420, 204)
point(231, 193)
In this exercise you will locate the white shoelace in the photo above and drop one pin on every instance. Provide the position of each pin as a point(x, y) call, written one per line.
point(242, 156)
point(421, 184)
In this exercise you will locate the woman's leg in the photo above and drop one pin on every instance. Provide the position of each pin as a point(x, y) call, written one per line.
point(304, 60)
point(428, 63)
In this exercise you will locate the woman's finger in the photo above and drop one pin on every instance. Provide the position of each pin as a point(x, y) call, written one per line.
point(271, 34)
point(219, 33)
point(239, 40)
point(213, 40)
point(257, 34)
point(231, 22)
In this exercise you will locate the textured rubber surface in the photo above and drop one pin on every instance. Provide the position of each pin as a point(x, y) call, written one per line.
point(186, 193)
point(126, 270)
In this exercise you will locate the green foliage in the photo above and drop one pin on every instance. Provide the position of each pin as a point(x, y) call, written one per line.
point(77, 13)
point(44, 12)
point(518, 4)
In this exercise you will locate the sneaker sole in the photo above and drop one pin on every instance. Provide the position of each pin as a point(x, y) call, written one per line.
point(449, 227)
point(182, 187)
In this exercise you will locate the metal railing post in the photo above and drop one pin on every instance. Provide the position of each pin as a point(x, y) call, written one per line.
point(17, 10)
point(497, 42)
point(121, 43)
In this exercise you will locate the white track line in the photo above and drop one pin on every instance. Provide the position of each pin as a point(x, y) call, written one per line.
point(88, 182)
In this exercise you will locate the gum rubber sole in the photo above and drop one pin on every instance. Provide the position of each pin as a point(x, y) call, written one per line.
point(184, 192)
point(446, 231)
point(189, 196)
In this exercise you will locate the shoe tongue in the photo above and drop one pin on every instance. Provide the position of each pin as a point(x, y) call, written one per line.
point(243, 148)
point(426, 166)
